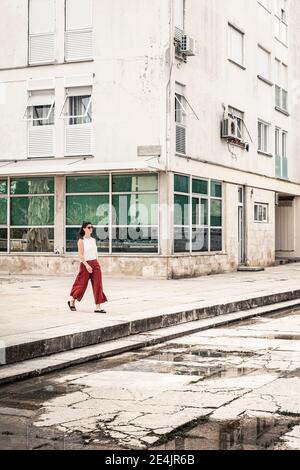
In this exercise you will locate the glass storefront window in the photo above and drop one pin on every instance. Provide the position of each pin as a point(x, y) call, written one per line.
point(182, 184)
point(101, 234)
point(32, 211)
point(200, 240)
point(3, 240)
point(32, 239)
point(216, 213)
point(204, 200)
point(216, 242)
point(32, 186)
point(134, 183)
point(216, 189)
point(182, 240)
point(3, 210)
point(93, 208)
point(132, 220)
point(3, 187)
point(200, 187)
point(135, 209)
point(181, 210)
point(135, 240)
point(88, 184)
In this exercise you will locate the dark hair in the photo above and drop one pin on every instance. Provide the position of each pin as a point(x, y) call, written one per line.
point(81, 232)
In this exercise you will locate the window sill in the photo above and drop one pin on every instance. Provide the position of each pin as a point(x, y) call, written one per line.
point(237, 64)
point(287, 180)
point(194, 254)
point(282, 111)
point(265, 80)
point(260, 152)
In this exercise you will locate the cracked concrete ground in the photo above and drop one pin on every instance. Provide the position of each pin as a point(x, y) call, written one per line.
point(239, 386)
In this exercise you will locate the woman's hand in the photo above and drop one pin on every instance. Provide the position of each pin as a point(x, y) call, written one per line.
point(89, 268)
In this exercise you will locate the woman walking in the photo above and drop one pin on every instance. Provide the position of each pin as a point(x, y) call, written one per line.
point(89, 269)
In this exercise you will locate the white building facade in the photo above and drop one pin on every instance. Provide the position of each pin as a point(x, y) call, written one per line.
point(170, 125)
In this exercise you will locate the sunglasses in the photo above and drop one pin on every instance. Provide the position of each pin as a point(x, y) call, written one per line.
point(90, 227)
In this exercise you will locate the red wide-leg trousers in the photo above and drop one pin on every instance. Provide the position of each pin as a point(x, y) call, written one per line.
point(82, 279)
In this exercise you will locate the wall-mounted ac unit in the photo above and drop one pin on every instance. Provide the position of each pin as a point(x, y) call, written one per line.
point(188, 46)
point(230, 129)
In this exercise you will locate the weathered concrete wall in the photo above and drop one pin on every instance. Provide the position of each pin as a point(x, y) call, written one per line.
point(260, 241)
point(151, 267)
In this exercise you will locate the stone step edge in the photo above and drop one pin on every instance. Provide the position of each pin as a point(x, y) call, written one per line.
point(8, 373)
point(44, 347)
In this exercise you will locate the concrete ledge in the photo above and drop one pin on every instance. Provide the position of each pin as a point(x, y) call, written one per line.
point(36, 367)
point(47, 342)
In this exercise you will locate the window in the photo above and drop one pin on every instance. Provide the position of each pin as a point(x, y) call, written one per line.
point(79, 30)
point(32, 215)
point(281, 87)
point(128, 225)
point(281, 27)
point(281, 163)
point(239, 117)
point(261, 213)
point(198, 215)
point(40, 108)
point(264, 63)
point(77, 112)
point(180, 119)
point(41, 31)
point(263, 136)
point(135, 213)
point(3, 215)
point(236, 45)
point(87, 198)
point(40, 116)
point(80, 111)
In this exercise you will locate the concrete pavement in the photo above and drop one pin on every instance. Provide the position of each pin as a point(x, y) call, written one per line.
point(35, 320)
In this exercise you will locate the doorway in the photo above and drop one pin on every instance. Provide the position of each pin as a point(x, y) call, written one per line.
point(241, 225)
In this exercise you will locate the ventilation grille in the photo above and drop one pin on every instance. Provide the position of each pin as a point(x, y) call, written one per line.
point(41, 48)
point(41, 141)
point(79, 45)
point(180, 139)
point(79, 139)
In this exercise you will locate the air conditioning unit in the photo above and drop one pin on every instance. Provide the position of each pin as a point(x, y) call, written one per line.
point(188, 46)
point(230, 129)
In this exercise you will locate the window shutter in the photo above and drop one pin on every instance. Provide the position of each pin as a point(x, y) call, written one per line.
point(41, 31)
point(79, 139)
point(41, 141)
point(79, 29)
point(180, 139)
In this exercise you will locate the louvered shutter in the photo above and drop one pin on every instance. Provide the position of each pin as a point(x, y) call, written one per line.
point(79, 30)
point(79, 139)
point(41, 31)
point(41, 141)
point(180, 139)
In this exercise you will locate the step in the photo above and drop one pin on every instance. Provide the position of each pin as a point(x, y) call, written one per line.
point(36, 367)
point(42, 343)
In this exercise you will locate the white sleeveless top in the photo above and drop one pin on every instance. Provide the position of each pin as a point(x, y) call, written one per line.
point(90, 249)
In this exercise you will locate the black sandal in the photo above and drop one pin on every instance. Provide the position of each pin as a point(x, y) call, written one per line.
point(100, 311)
point(72, 307)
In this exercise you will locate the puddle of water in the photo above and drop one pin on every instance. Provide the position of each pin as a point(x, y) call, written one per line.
point(240, 434)
point(32, 394)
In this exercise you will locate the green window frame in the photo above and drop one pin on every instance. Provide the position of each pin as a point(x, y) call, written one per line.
point(199, 228)
point(122, 207)
point(32, 213)
point(3, 215)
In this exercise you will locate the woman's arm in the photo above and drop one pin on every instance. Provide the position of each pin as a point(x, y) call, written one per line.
point(81, 256)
